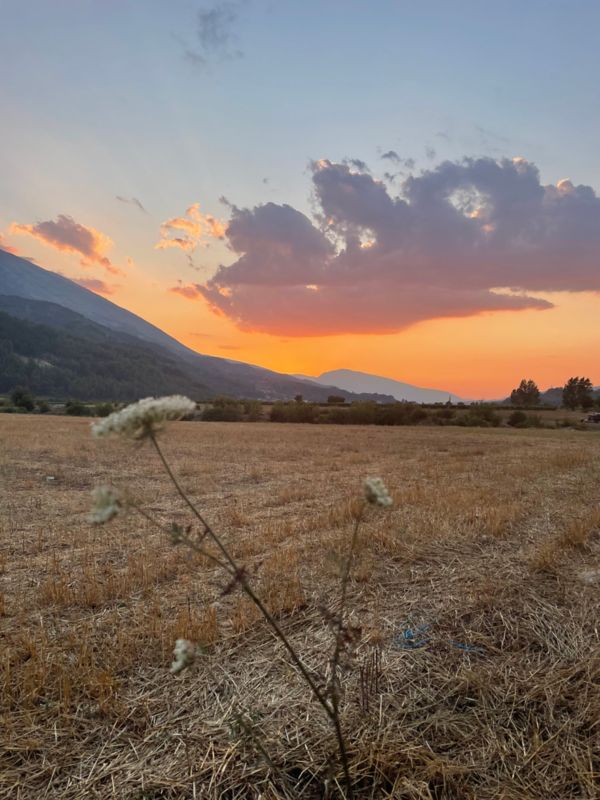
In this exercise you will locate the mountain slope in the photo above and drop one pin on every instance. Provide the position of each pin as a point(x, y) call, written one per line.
point(353, 381)
point(21, 278)
point(22, 281)
point(86, 363)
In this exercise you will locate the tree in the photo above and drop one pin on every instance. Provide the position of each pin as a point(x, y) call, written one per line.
point(75, 408)
point(577, 392)
point(21, 398)
point(526, 394)
point(335, 400)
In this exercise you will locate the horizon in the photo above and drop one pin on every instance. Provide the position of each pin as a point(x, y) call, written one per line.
point(429, 224)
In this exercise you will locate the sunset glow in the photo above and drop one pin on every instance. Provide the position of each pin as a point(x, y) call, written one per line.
point(403, 215)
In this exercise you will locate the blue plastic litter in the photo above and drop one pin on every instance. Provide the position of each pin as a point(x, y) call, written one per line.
point(468, 648)
point(414, 639)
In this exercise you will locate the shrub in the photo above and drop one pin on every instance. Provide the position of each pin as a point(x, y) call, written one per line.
point(253, 410)
point(230, 412)
point(518, 419)
point(75, 408)
point(103, 409)
point(22, 398)
point(293, 412)
point(43, 407)
point(480, 415)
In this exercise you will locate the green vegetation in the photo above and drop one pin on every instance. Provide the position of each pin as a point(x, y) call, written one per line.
point(91, 364)
point(526, 394)
point(578, 393)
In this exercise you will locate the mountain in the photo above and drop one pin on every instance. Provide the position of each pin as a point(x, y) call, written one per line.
point(69, 356)
point(118, 345)
point(353, 381)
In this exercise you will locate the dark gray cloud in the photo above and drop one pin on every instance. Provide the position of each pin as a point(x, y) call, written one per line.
point(357, 164)
point(131, 201)
point(216, 39)
point(375, 262)
point(396, 158)
point(430, 153)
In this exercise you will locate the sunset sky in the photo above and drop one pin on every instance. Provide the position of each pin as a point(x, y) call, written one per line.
point(409, 189)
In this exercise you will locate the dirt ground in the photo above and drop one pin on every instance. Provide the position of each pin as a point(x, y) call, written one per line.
point(477, 671)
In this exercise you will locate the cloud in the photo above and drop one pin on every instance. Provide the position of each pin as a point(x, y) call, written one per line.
point(132, 201)
point(396, 158)
point(4, 245)
point(392, 155)
point(69, 236)
point(459, 239)
point(215, 34)
point(95, 285)
point(190, 291)
point(430, 153)
point(188, 232)
point(357, 163)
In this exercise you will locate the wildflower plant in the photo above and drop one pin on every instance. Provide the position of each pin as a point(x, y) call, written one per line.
point(107, 502)
point(142, 421)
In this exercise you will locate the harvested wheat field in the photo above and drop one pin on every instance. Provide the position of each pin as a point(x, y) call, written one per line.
point(474, 666)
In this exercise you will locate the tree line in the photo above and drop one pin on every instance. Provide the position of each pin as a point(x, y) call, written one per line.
point(578, 392)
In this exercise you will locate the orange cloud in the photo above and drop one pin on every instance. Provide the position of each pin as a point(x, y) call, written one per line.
point(187, 232)
point(4, 245)
point(189, 291)
point(69, 236)
point(95, 285)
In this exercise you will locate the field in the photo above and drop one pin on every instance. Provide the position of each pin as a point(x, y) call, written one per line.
point(493, 542)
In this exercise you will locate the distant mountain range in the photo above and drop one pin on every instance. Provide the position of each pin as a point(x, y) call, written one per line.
point(61, 340)
point(353, 381)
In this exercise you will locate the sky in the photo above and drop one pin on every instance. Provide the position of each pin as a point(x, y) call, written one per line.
point(406, 189)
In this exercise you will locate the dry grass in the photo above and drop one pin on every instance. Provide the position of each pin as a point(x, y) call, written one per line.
point(494, 542)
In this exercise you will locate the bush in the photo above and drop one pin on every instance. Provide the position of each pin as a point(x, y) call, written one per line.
point(518, 419)
point(103, 409)
point(253, 410)
point(75, 408)
point(480, 415)
point(293, 412)
point(230, 412)
point(22, 398)
point(336, 416)
point(43, 406)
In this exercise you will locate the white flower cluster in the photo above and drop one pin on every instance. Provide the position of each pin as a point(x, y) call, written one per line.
point(376, 493)
point(184, 654)
point(144, 417)
point(107, 503)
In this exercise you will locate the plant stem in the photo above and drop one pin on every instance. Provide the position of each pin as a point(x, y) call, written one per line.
point(182, 538)
point(344, 591)
point(332, 712)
